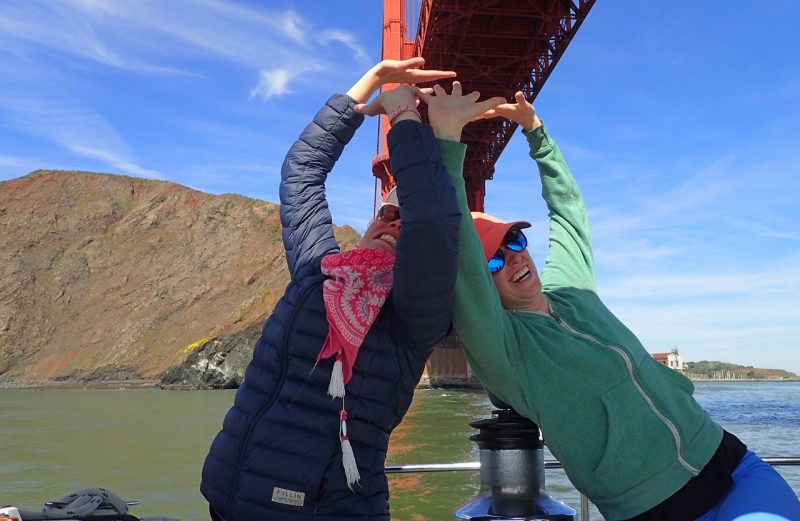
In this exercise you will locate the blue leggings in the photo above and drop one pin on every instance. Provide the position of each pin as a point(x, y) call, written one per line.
point(758, 493)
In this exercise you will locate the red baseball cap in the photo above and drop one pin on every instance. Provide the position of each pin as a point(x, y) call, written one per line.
point(492, 230)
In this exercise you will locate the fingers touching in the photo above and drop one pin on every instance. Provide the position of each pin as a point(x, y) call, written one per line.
point(446, 111)
point(390, 101)
point(409, 71)
point(521, 112)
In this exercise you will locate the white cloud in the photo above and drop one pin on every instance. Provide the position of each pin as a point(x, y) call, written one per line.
point(169, 38)
point(273, 83)
point(61, 29)
point(150, 36)
point(75, 127)
point(293, 25)
point(113, 158)
point(348, 40)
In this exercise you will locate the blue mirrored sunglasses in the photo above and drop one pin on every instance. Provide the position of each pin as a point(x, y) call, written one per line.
point(514, 240)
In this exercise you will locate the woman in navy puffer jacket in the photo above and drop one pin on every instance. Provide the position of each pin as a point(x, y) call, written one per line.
point(279, 455)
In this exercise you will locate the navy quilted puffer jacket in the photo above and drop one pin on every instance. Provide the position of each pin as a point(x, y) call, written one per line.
point(278, 455)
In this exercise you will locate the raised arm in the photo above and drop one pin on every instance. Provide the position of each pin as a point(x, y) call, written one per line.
point(425, 265)
point(569, 260)
point(306, 220)
point(425, 262)
point(478, 315)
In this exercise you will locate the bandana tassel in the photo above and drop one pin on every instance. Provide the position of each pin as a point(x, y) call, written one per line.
point(348, 458)
point(336, 387)
point(359, 283)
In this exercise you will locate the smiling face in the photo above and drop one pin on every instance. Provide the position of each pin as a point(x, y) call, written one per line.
point(514, 274)
point(518, 282)
point(381, 234)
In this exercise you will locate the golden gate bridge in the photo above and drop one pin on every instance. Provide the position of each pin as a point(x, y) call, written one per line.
point(498, 47)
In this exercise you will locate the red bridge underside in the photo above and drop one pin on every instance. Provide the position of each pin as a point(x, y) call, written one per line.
point(497, 47)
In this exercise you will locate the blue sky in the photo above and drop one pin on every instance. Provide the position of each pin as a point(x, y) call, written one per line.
point(680, 120)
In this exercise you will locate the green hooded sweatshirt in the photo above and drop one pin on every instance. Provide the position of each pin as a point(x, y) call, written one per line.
point(625, 427)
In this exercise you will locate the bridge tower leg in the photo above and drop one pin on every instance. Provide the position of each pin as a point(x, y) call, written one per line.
point(396, 46)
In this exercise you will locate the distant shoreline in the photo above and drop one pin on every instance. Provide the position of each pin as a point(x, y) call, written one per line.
point(775, 380)
point(106, 385)
point(99, 385)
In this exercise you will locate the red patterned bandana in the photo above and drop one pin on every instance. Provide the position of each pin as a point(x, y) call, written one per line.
point(361, 279)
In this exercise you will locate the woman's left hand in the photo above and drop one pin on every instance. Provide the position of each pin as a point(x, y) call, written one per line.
point(391, 101)
point(448, 113)
point(394, 71)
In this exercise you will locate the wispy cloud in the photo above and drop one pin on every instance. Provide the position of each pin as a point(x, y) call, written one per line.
point(75, 127)
point(346, 39)
point(760, 331)
point(114, 158)
point(276, 82)
point(293, 25)
point(272, 83)
point(153, 37)
point(635, 251)
point(60, 28)
point(773, 279)
point(44, 44)
point(697, 247)
point(752, 195)
point(748, 317)
point(258, 180)
point(19, 162)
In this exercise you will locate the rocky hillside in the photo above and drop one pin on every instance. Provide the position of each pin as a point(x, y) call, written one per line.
point(106, 277)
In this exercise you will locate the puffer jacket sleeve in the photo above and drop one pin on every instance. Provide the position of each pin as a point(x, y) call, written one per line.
point(427, 249)
point(306, 220)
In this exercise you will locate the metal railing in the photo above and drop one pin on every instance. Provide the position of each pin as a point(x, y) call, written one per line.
point(548, 464)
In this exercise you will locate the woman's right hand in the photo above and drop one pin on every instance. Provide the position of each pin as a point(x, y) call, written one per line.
point(521, 113)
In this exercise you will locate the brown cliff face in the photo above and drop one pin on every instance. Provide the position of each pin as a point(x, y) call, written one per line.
point(112, 277)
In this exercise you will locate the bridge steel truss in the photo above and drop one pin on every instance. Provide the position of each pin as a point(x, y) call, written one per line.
point(498, 47)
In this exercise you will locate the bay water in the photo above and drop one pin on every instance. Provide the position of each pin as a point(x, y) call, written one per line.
point(150, 444)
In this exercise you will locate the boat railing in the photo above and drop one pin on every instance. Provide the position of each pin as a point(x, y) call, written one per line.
point(548, 464)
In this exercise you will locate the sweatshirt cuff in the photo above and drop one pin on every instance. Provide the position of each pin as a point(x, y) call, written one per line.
point(538, 138)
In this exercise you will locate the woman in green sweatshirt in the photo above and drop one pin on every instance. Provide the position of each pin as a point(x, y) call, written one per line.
point(626, 428)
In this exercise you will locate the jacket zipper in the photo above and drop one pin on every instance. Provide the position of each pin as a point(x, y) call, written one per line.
point(279, 386)
point(621, 352)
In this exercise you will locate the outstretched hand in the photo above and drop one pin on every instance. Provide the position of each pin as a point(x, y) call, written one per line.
point(394, 71)
point(521, 112)
point(408, 71)
point(390, 101)
point(448, 113)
